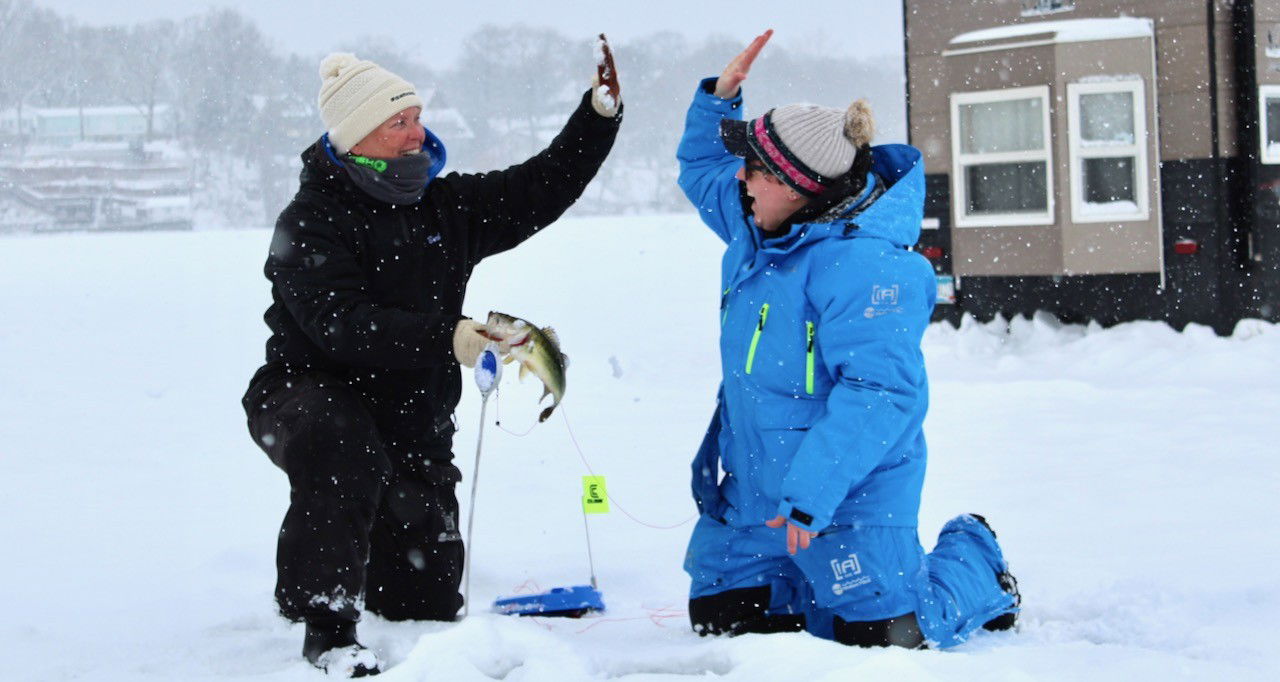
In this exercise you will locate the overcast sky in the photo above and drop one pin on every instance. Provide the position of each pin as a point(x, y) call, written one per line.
point(433, 31)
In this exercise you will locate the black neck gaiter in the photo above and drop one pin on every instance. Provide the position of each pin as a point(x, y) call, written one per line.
point(400, 181)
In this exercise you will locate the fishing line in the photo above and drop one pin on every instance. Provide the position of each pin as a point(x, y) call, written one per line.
point(497, 403)
point(612, 499)
point(656, 615)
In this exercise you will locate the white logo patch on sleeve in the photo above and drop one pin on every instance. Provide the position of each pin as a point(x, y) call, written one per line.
point(884, 300)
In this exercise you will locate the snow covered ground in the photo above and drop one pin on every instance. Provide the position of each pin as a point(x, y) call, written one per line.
point(1132, 474)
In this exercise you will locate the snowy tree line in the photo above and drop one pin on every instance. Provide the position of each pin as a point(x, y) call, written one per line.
point(244, 109)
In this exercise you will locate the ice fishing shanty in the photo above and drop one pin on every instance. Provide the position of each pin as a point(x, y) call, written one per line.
point(1104, 160)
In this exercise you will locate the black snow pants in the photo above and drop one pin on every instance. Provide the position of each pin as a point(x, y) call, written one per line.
point(368, 524)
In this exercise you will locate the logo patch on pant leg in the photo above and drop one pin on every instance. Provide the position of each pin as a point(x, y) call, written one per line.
point(848, 574)
point(450, 533)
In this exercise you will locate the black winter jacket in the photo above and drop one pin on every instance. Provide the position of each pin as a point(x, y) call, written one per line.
point(369, 293)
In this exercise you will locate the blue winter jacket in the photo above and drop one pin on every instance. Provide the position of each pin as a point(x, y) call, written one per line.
point(824, 392)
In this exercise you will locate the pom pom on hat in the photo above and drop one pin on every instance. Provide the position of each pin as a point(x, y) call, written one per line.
point(859, 124)
point(333, 65)
point(805, 145)
point(357, 96)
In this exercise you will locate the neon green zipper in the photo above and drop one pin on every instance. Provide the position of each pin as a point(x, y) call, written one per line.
point(755, 338)
point(808, 358)
point(724, 306)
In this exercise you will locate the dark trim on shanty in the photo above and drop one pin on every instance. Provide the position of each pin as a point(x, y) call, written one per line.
point(1213, 79)
point(906, 70)
point(1248, 139)
point(1245, 46)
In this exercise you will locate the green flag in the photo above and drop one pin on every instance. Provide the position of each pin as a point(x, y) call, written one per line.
point(595, 498)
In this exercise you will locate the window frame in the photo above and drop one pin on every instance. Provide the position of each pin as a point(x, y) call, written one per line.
point(1265, 91)
point(961, 160)
point(1039, 8)
point(1137, 150)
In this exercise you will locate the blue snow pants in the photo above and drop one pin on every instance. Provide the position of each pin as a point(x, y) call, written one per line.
point(859, 574)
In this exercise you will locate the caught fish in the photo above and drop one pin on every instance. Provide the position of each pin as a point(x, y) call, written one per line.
point(538, 353)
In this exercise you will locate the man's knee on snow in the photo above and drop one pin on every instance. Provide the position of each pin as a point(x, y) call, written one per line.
point(738, 612)
point(330, 446)
point(422, 585)
point(443, 607)
point(412, 576)
point(901, 631)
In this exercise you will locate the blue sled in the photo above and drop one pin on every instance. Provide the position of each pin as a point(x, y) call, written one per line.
point(564, 602)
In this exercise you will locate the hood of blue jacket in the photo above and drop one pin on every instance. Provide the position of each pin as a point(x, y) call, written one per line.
point(894, 217)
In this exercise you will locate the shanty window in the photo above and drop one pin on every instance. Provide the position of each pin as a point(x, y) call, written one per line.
point(1107, 129)
point(1000, 155)
point(1269, 103)
point(1035, 8)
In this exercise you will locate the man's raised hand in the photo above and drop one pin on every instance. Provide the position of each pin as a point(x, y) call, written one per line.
point(606, 93)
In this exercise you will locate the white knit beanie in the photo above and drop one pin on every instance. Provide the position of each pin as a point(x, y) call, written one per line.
point(823, 138)
point(357, 96)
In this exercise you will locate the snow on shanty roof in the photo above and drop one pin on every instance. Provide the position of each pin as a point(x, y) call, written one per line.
point(116, 110)
point(1066, 30)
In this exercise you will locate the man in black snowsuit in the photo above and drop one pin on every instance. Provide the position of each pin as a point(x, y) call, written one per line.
point(369, 265)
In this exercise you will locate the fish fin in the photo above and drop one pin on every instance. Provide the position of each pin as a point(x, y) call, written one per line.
point(509, 359)
point(524, 371)
point(554, 404)
point(564, 361)
point(551, 334)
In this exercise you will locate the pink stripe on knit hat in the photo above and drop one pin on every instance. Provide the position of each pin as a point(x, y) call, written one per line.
point(778, 158)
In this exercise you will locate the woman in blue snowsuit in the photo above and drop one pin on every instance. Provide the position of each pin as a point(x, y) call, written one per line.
point(818, 427)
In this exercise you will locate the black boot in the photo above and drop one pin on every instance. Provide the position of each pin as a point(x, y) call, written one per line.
point(1006, 621)
point(332, 647)
point(1009, 584)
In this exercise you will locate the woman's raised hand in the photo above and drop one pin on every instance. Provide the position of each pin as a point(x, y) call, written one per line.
point(731, 79)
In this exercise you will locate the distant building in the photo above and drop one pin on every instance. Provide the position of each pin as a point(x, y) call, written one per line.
point(95, 189)
point(1102, 160)
point(70, 125)
point(91, 169)
point(445, 121)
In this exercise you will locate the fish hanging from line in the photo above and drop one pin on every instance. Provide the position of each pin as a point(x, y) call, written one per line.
point(538, 353)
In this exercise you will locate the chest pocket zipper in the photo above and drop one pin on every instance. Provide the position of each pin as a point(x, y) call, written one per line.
point(724, 306)
point(755, 338)
point(808, 358)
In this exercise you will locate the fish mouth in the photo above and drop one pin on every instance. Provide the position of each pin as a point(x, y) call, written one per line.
point(517, 344)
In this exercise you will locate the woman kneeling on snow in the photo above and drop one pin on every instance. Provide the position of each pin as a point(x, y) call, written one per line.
point(819, 423)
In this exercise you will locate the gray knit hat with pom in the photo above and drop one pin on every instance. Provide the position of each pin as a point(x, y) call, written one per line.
point(807, 146)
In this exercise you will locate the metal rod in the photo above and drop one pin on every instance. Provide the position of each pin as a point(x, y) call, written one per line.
point(591, 562)
point(471, 516)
